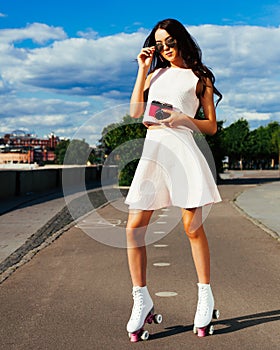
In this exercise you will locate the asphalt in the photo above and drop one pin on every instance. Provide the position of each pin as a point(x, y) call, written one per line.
point(74, 292)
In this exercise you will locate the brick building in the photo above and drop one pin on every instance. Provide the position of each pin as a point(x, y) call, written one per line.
point(21, 147)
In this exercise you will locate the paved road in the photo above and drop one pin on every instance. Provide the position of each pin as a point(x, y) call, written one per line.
point(75, 294)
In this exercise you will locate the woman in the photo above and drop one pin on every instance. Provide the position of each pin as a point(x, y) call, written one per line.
point(172, 170)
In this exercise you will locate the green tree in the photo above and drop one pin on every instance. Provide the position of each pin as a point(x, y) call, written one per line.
point(262, 147)
point(275, 141)
point(125, 140)
point(60, 151)
point(235, 139)
point(72, 152)
point(252, 153)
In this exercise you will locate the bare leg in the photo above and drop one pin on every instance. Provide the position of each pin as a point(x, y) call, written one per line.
point(192, 219)
point(136, 250)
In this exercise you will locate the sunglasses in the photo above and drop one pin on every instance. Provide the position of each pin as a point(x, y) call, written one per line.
point(169, 42)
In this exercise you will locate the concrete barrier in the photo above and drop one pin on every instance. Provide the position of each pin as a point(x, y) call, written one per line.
point(21, 182)
point(37, 181)
point(8, 183)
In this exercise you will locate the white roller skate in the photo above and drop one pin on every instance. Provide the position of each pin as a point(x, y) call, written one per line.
point(142, 312)
point(205, 311)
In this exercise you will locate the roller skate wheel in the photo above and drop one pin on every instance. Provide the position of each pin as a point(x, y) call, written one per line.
point(134, 337)
point(216, 314)
point(202, 332)
point(145, 335)
point(158, 319)
point(211, 330)
point(195, 330)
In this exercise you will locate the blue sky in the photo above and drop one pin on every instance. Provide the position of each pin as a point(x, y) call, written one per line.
point(64, 63)
point(109, 17)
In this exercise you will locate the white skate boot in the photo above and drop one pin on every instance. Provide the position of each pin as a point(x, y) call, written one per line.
point(142, 312)
point(205, 311)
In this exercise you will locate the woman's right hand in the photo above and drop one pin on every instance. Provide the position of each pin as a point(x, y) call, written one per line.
point(142, 83)
point(145, 57)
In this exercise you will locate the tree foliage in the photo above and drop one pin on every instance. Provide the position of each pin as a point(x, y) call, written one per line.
point(60, 151)
point(73, 152)
point(275, 141)
point(252, 149)
point(235, 141)
point(122, 144)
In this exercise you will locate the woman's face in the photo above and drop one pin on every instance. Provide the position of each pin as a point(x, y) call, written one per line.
point(167, 47)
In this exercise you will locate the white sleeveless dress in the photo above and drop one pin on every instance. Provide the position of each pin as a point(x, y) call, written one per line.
point(172, 170)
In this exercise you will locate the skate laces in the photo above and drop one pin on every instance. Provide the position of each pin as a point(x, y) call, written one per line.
point(138, 304)
point(203, 302)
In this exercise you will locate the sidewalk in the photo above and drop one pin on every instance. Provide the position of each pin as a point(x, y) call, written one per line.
point(261, 201)
point(262, 204)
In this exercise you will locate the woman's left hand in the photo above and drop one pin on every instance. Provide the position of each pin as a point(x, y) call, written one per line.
point(175, 119)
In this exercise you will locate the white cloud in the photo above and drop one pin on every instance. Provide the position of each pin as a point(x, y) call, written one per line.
point(88, 34)
point(78, 65)
point(38, 32)
point(98, 72)
point(245, 60)
point(256, 116)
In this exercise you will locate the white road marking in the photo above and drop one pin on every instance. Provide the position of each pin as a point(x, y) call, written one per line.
point(166, 294)
point(161, 264)
point(98, 223)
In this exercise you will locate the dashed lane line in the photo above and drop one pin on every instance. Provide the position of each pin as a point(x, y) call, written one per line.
point(166, 294)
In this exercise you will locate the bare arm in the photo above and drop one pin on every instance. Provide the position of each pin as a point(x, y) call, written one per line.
point(142, 82)
point(209, 125)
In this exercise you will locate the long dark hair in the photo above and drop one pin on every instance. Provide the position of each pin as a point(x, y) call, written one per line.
point(188, 49)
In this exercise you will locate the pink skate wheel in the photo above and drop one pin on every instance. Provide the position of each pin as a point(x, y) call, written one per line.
point(202, 332)
point(134, 337)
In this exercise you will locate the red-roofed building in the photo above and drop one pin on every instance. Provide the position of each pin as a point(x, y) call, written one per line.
point(21, 147)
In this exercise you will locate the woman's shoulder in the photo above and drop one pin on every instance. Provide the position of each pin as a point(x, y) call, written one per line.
point(151, 76)
point(159, 70)
point(154, 75)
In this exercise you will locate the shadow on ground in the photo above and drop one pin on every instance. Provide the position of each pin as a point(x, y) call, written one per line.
point(224, 326)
